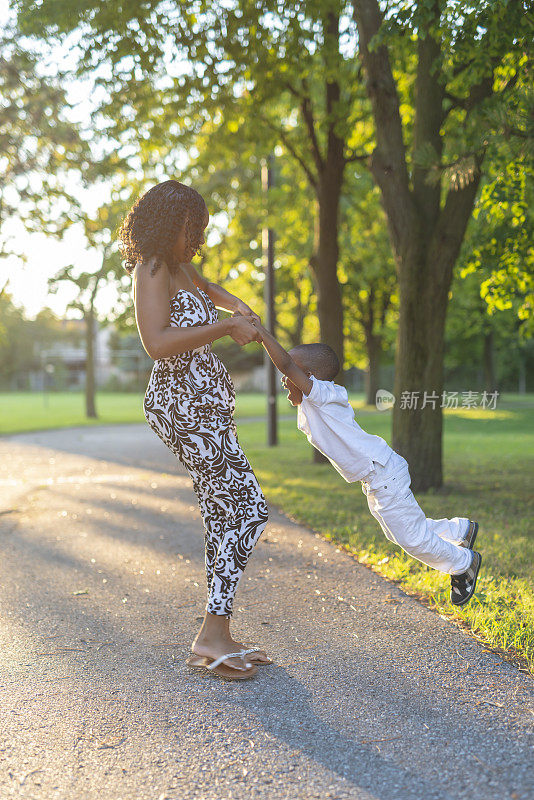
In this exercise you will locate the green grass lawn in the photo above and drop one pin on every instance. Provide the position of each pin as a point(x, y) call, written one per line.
point(27, 411)
point(488, 461)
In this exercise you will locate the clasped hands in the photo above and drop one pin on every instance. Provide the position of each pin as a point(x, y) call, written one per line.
point(244, 329)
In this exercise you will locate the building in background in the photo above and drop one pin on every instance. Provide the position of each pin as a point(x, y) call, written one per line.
point(62, 363)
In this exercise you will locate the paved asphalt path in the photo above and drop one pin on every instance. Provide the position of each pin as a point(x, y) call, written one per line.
point(372, 696)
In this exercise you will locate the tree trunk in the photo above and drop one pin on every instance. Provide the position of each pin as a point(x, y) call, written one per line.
point(490, 381)
point(324, 265)
point(90, 404)
point(426, 229)
point(417, 417)
point(295, 335)
point(522, 376)
point(372, 376)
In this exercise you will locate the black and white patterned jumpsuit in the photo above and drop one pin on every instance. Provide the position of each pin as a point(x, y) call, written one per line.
point(189, 403)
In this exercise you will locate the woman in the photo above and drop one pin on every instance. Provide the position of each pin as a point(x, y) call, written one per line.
point(190, 398)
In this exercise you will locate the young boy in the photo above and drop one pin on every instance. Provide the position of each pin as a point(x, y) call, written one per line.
point(327, 419)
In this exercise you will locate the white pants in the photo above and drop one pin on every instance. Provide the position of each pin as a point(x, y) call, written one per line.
point(392, 503)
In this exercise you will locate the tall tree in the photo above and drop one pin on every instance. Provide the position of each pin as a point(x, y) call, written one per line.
point(474, 338)
point(25, 343)
point(297, 60)
point(501, 243)
point(365, 267)
point(239, 202)
point(175, 66)
point(99, 232)
point(370, 282)
point(427, 163)
point(39, 146)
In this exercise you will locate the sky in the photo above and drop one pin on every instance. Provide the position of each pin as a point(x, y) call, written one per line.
point(46, 255)
point(28, 282)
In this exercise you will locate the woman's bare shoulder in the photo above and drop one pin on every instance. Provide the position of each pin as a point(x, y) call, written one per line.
point(146, 278)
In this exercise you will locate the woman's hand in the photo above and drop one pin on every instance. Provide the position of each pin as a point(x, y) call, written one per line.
point(245, 311)
point(243, 331)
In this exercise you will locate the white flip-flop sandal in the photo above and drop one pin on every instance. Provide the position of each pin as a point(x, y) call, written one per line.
point(217, 667)
point(254, 649)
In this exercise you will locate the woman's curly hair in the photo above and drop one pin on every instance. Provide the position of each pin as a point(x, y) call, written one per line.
point(152, 225)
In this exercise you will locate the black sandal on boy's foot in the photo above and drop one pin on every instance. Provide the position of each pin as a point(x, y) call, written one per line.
point(463, 585)
point(469, 538)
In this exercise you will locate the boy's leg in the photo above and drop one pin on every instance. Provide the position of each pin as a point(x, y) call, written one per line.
point(453, 530)
point(393, 504)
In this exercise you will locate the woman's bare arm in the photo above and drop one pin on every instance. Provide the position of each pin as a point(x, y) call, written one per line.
point(152, 314)
point(218, 295)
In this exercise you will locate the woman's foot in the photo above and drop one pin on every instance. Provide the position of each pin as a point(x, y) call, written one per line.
point(214, 640)
point(212, 647)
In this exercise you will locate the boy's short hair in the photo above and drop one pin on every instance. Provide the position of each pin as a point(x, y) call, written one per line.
point(319, 359)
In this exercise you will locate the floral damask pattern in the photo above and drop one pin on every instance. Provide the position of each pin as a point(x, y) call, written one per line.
point(190, 403)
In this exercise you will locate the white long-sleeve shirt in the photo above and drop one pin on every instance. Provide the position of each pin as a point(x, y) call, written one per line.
point(326, 417)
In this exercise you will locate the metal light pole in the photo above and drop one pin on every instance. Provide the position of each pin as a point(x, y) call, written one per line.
point(267, 238)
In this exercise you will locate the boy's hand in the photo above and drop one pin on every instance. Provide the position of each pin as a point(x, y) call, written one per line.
point(243, 331)
point(255, 320)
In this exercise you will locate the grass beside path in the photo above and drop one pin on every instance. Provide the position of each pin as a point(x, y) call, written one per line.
point(33, 411)
point(489, 457)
